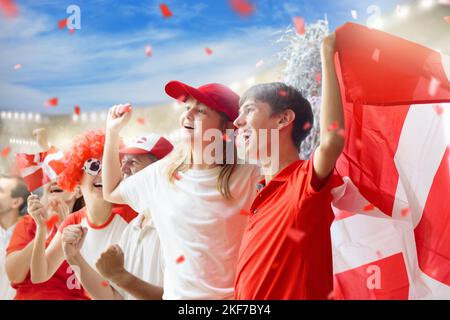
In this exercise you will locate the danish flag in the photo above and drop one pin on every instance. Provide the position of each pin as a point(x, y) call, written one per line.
point(397, 159)
point(40, 168)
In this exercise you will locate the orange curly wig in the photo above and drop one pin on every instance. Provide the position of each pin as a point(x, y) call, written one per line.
point(86, 146)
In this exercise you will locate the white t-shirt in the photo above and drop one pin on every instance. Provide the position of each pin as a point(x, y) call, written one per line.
point(99, 238)
point(6, 291)
point(200, 231)
point(142, 254)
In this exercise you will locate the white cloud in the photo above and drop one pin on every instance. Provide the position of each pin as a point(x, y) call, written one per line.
point(97, 70)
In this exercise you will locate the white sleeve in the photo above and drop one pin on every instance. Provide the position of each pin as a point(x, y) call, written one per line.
point(137, 189)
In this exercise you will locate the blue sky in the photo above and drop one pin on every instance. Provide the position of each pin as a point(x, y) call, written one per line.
point(104, 62)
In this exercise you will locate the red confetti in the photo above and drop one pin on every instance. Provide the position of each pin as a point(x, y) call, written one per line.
point(72, 30)
point(244, 213)
point(208, 51)
point(176, 175)
point(307, 126)
point(53, 102)
point(226, 138)
point(318, 77)
point(438, 109)
point(369, 207)
point(331, 295)
point(141, 121)
point(358, 144)
point(9, 8)
point(124, 109)
point(282, 93)
point(404, 212)
point(62, 23)
point(52, 221)
point(5, 152)
point(376, 55)
point(165, 11)
point(77, 110)
point(447, 19)
point(434, 273)
point(295, 234)
point(148, 50)
point(105, 283)
point(180, 259)
point(379, 254)
point(342, 214)
point(299, 24)
point(333, 126)
point(242, 7)
point(17, 66)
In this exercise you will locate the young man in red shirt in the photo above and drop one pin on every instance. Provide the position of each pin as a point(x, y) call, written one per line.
point(286, 248)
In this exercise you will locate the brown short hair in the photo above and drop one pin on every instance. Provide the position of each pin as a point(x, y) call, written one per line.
point(281, 97)
point(19, 191)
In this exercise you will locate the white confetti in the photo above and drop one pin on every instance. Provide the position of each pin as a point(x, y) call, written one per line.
point(433, 87)
point(376, 55)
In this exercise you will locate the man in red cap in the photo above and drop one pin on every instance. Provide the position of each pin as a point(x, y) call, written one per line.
point(142, 152)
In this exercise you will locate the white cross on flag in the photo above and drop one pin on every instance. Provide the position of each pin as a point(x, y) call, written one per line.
point(40, 168)
point(391, 236)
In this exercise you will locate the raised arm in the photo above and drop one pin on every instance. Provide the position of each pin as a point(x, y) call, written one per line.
point(44, 262)
point(41, 137)
point(73, 238)
point(111, 266)
point(332, 115)
point(111, 172)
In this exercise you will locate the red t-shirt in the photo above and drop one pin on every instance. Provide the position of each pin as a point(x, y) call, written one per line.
point(286, 247)
point(56, 288)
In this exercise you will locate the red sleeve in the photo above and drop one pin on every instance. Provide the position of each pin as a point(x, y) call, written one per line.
point(23, 234)
point(125, 212)
point(315, 184)
point(73, 218)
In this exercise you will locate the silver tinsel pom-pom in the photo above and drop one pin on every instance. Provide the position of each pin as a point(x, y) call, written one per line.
point(302, 58)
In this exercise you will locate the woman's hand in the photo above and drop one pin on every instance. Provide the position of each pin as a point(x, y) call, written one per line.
point(37, 210)
point(118, 117)
point(72, 240)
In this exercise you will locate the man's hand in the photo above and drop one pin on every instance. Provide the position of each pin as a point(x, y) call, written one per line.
point(72, 239)
point(111, 264)
point(37, 211)
point(118, 117)
point(328, 43)
point(41, 138)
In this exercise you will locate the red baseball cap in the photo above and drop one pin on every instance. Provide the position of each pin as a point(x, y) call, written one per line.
point(150, 144)
point(214, 95)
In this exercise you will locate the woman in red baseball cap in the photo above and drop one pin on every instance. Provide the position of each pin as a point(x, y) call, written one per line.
point(196, 201)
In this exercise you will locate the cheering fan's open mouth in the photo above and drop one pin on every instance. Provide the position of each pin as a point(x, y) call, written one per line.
point(56, 189)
